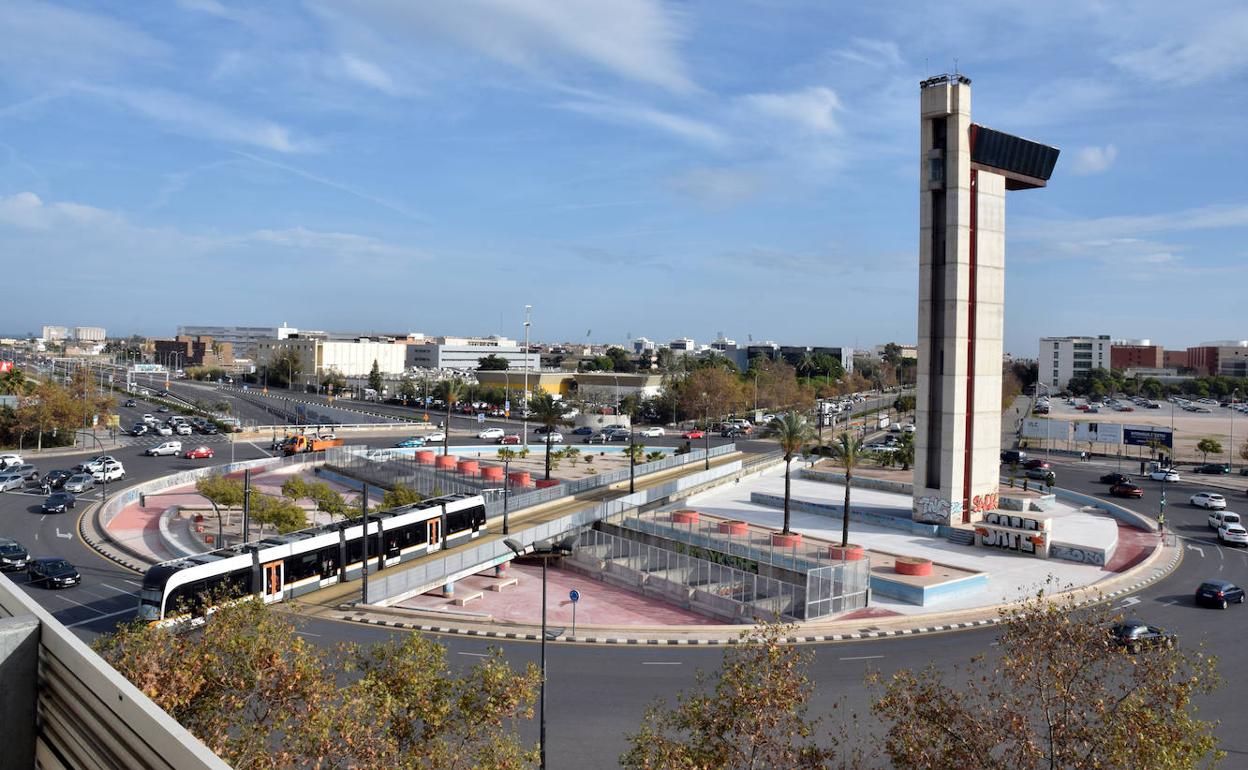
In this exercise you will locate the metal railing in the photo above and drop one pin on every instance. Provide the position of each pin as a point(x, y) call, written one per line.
point(67, 708)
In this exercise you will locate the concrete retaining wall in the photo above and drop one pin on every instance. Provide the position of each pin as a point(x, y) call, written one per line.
point(879, 516)
point(1128, 517)
point(925, 595)
point(864, 482)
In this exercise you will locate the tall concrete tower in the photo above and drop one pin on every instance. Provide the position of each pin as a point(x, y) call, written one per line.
point(966, 170)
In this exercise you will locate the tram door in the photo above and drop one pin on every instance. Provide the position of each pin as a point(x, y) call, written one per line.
point(435, 534)
point(274, 576)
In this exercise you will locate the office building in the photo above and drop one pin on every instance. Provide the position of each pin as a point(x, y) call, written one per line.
point(1062, 358)
point(55, 334)
point(907, 351)
point(965, 171)
point(242, 339)
point(1136, 354)
point(465, 353)
point(1225, 358)
point(185, 351)
point(1174, 359)
point(683, 345)
point(643, 345)
point(319, 357)
point(89, 334)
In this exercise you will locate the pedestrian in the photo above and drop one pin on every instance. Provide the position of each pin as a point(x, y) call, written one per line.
point(1161, 522)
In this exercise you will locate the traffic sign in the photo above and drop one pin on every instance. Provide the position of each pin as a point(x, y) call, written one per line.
point(481, 417)
point(574, 595)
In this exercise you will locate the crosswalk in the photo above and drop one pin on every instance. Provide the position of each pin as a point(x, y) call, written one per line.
point(187, 441)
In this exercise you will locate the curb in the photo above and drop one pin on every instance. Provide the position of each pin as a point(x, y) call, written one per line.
point(361, 617)
point(88, 535)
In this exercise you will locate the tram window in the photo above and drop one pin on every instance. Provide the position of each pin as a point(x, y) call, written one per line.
point(302, 566)
point(329, 561)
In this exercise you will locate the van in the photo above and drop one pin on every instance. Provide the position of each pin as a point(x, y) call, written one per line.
point(1012, 456)
point(167, 448)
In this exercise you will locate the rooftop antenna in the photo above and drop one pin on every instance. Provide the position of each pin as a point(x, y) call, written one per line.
point(751, 336)
point(955, 65)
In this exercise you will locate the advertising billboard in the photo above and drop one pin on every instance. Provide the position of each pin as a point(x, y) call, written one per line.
point(1098, 432)
point(1146, 435)
point(6, 366)
point(1046, 429)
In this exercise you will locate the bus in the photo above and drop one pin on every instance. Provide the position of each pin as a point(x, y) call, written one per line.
point(285, 566)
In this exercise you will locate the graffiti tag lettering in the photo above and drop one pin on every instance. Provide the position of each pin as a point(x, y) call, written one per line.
point(932, 510)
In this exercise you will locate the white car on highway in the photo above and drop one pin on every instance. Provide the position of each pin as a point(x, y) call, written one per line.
point(9, 460)
point(492, 433)
point(436, 436)
point(1210, 501)
point(554, 437)
point(167, 448)
point(653, 431)
point(1165, 474)
point(1233, 533)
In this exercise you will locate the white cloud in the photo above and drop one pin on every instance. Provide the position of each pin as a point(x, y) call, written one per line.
point(45, 43)
point(368, 73)
point(192, 117)
point(27, 211)
point(1094, 160)
point(685, 128)
point(718, 187)
point(812, 109)
point(1215, 46)
point(1211, 217)
point(633, 39)
point(884, 54)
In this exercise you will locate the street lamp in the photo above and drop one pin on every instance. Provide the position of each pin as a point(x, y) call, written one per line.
point(506, 490)
point(706, 432)
point(551, 550)
point(524, 403)
point(1230, 463)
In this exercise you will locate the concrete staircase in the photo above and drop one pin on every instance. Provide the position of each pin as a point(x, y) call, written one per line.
point(962, 536)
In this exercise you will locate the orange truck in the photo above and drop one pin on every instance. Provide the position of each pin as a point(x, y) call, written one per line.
point(300, 444)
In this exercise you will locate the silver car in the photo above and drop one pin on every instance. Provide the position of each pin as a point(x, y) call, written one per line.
point(10, 481)
point(79, 483)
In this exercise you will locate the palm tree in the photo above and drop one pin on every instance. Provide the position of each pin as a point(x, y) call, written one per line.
point(848, 449)
point(549, 413)
point(14, 383)
point(449, 390)
point(793, 433)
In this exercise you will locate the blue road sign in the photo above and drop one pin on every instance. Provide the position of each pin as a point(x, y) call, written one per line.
point(574, 595)
point(480, 417)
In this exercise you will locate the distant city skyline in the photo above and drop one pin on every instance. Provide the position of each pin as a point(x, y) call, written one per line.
point(638, 166)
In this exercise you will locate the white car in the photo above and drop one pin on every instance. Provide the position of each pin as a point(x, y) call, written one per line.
point(183, 429)
point(149, 419)
point(167, 448)
point(1233, 533)
point(9, 460)
point(1210, 501)
point(554, 437)
point(909, 428)
point(492, 433)
point(435, 437)
point(1165, 474)
point(113, 472)
point(879, 448)
point(1219, 518)
point(652, 432)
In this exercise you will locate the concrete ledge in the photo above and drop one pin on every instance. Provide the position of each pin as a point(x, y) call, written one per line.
point(882, 517)
point(504, 583)
point(863, 482)
point(925, 595)
point(167, 537)
point(460, 601)
point(1125, 515)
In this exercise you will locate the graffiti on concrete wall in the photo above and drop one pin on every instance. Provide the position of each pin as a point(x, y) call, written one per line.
point(983, 503)
point(1014, 533)
point(933, 510)
point(1092, 556)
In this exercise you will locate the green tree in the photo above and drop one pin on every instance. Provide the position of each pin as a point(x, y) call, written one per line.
point(654, 456)
point(549, 413)
point(620, 360)
point(374, 377)
point(1209, 446)
point(450, 391)
point(400, 496)
point(278, 512)
point(793, 433)
point(1070, 698)
point(904, 453)
point(261, 696)
point(1243, 450)
point(284, 368)
point(848, 449)
point(753, 713)
point(407, 390)
point(904, 404)
point(14, 383)
point(225, 492)
point(334, 382)
point(493, 363)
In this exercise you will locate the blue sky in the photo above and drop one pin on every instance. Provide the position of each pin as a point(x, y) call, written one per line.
point(626, 167)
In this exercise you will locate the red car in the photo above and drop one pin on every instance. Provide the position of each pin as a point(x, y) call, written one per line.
point(198, 453)
point(510, 439)
point(695, 433)
point(1036, 464)
point(1126, 490)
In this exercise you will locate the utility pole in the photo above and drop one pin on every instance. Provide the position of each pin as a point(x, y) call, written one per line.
point(364, 573)
point(524, 406)
point(247, 505)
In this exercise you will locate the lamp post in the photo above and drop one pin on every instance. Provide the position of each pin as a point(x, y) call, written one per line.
point(632, 458)
point(524, 404)
point(706, 433)
point(1230, 463)
point(506, 490)
point(551, 550)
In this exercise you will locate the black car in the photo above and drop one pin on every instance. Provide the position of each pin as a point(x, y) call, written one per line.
point(58, 502)
point(130, 403)
point(1136, 636)
point(1215, 469)
point(53, 572)
point(56, 479)
point(1219, 593)
point(12, 555)
point(209, 429)
point(1011, 456)
point(1113, 479)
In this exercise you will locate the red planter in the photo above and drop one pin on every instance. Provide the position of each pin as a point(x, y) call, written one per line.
point(467, 467)
point(546, 483)
point(781, 540)
point(446, 462)
point(908, 565)
point(492, 473)
point(735, 528)
point(424, 457)
point(520, 478)
point(685, 516)
point(850, 552)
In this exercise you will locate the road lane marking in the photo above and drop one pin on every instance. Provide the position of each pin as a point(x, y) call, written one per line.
point(862, 657)
point(660, 663)
point(80, 604)
point(1197, 549)
point(253, 445)
point(474, 654)
point(120, 590)
point(102, 617)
